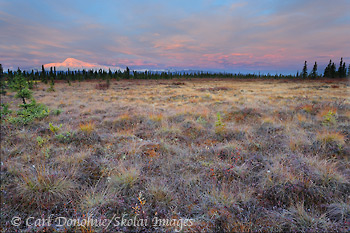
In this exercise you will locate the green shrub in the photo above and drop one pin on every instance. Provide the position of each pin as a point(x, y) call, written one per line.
point(41, 141)
point(329, 118)
point(65, 137)
point(29, 113)
point(219, 122)
point(219, 125)
point(56, 112)
point(54, 129)
point(20, 85)
point(4, 110)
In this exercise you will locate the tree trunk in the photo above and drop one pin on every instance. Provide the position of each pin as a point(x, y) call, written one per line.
point(24, 102)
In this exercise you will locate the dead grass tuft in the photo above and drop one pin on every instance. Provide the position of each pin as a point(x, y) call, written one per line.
point(125, 177)
point(44, 187)
point(88, 127)
point(327, 137)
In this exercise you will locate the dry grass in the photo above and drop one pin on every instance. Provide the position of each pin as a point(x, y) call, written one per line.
point(44, 187)
point(327, 137)
point(87, 127)
point(232, 155)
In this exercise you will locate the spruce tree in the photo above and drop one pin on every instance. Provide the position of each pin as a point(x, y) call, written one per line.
point(51, 73)
point(340, 69)
point(333, 70)
point(20, 85)
point(9, 74)
point(127, 73)
point(327, 70)
point(43, 74)
point(344, 70)
point(305, 70)
point(314, 71)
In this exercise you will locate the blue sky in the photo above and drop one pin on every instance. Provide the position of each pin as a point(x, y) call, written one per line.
point(234, 36)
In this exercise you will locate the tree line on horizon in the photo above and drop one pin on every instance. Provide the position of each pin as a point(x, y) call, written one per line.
point(329, 72)
point(51, 75)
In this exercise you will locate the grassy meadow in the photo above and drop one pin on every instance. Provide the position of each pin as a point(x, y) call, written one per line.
point(228, 155)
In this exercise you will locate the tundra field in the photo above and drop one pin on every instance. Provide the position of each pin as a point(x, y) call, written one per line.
point(203, 155)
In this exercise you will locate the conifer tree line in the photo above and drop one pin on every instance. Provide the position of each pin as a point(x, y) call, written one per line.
point(330, 71)
point(50, 75)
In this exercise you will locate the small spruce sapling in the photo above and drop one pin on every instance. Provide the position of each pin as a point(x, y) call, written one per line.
point(20, 85)
point(219, 125)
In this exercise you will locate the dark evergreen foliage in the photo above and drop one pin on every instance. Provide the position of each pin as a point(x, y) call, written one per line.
point(314, 71)
point(342, 69)
point(43, 74)
point(304, 74)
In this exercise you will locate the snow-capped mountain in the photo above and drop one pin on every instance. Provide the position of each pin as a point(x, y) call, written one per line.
point(75, 64)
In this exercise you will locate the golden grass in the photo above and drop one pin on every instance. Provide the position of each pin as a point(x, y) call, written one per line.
point(330, 136)
point(301, 117)
point(87, 127)
point(308, 108)
point(125, 117)
point(156, 117)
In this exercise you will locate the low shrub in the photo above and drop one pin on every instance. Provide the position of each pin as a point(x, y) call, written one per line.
point(65, 137)
point(4, 110)
point(219, 125)
point(30, 113)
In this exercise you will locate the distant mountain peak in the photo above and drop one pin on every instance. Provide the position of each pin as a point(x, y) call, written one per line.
point(75, 64)
point(71, 59)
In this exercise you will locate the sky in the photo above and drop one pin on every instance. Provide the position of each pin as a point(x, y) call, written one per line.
point(216, 35)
